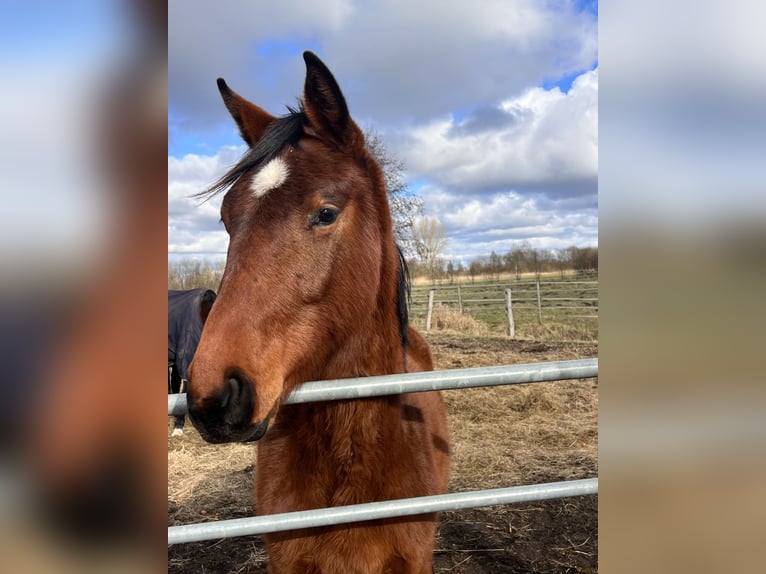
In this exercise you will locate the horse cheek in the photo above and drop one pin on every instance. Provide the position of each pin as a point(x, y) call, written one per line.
point(312, 278)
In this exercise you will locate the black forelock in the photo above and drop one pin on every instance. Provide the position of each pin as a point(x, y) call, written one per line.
point(283, 131)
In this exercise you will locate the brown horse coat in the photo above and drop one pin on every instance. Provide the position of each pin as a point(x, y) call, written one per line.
point(314, 288)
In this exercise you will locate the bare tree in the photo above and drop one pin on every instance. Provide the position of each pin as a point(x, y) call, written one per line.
point(563, 260)
point(474, 268)
point(518, 259)
point(533, 258)
point(451, 271)
point(495, 265)
point(430, 240)
point(405, 206)
point(190, 274)
point(584, 259)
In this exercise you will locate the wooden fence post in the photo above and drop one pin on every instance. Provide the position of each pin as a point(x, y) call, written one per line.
point(509, 311)
point(539, 304)
point(459, 300)
point(430, 309)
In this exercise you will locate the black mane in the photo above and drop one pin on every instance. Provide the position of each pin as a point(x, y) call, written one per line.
point(281, 132)
point(404, 298)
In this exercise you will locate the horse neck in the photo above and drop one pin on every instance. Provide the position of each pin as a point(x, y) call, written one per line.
point(384, 339)
point(374, 346)
point(333, 448)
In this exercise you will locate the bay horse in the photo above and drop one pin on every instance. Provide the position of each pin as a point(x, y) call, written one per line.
point(187, 312)
point(314, 288)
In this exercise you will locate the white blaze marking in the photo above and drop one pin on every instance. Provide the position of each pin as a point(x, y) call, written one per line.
point(271, 176)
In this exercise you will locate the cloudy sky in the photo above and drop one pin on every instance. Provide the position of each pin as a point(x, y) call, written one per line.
point(491, 104)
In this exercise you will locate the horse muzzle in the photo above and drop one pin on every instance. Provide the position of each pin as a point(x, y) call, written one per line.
point(226, 416)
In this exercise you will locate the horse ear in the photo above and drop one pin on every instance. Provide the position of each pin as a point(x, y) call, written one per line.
point(251, 119)
point(323, 102)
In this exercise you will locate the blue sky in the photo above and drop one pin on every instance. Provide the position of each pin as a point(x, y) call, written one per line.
point(492, 106)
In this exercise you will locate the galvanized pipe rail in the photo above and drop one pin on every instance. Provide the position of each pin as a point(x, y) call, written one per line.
point(365, 387)
point(376, 510)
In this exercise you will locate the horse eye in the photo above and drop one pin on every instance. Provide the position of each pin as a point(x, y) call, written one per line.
point(325, 216)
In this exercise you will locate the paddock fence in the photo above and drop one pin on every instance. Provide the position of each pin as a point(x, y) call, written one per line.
point(508, 302)
point(395, 384)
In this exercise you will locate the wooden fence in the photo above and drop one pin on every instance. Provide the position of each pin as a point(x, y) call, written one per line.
point(509, 301)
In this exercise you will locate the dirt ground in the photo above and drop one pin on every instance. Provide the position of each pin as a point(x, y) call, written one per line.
point(504, 436)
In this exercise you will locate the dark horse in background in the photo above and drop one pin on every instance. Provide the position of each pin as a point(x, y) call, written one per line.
point(315, 288)
point(187, 313)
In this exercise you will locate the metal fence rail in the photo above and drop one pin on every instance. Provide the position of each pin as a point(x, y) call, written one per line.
point(396, 384)
point(375, 510)
point(365, 387)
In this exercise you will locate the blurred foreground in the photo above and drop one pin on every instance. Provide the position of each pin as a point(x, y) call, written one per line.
point(82, 302)
point(682, 237)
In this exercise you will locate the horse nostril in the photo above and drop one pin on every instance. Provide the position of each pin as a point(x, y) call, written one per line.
point(233, 391)
point(237, 400)
point(228, 391)
point(224, 416)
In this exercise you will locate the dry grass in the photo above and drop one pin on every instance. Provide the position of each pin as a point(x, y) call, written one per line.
point(581, 330)
point(522, 434)
point(448, 319)
point(445, 318)
point(192, 462)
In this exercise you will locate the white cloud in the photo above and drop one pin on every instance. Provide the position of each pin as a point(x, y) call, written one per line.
point(193, 225)
point(532, 177)
point(476, 224)
point(547, 138)
point(497, 221)
point(396, 60)
point(496, 160)
point(448, 55)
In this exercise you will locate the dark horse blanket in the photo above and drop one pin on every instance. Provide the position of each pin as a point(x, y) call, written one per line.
point(187, 312)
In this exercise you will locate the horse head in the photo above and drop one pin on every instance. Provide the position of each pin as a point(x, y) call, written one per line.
point(311, 266)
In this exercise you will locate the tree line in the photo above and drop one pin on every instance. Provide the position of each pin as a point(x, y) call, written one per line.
point(192, 273)
point(521, 260)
